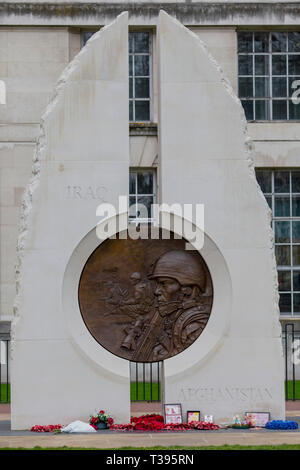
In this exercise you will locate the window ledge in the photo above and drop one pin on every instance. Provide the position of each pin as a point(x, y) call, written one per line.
point(276, 121)
point(289, 318)
point(143, 128)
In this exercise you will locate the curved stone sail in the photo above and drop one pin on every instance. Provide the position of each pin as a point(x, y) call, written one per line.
point(236, 365)
point(78, 165)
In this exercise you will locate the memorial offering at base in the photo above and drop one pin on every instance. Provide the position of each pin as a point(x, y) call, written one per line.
point(193, 417)
point(259, 419)
point(173, 413)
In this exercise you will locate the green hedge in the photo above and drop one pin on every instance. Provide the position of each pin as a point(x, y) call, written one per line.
point(156, 391)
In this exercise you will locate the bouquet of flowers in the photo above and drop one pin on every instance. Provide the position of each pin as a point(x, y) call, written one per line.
point(279, 424)
point(49, 428)
point(151, 422)
point(122, 427)
point(101, 420)
point(204, 426)
point(248, 422)
point(155, 422)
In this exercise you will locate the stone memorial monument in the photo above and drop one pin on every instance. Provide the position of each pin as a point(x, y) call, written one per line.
point(86, 307)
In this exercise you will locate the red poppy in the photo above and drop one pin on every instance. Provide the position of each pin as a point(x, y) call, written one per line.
point(49, 428)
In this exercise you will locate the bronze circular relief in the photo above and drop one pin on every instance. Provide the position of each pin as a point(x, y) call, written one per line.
point(145, 300)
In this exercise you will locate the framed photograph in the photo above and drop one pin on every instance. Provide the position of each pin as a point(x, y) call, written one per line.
point(260, 418)
point(192, 416)
point(173, 413)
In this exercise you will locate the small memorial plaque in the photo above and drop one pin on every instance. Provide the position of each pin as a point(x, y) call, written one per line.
point(193, 416)
point(260, 418)
point(173, 413)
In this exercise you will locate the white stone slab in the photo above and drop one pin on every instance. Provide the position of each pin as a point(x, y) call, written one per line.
point(79, 164)
point(204, 148)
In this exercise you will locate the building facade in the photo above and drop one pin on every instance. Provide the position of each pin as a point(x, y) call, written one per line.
point(256, 43)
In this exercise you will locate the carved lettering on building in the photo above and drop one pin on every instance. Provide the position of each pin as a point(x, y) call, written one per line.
point(212, 394)
point(98, 193)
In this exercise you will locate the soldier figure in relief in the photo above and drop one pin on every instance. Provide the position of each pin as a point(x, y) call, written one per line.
point(180, 287)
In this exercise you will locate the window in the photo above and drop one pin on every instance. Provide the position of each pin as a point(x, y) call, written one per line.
point(282, 192)
point(142, 190)
point(86, 36)
point(139, 76)
point(268, 67)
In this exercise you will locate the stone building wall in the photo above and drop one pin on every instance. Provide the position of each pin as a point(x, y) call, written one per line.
point(37, 41)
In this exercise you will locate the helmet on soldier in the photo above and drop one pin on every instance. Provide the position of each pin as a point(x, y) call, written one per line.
point(182, 266)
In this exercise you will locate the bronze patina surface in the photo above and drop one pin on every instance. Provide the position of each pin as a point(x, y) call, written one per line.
point(145, 300)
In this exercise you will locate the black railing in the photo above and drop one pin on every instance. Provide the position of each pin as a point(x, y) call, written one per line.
point(4, 371)
point(145, 381)
point(291, 345)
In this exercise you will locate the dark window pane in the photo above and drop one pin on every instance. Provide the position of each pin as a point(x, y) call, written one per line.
point(142, 110)
point(261, 42)
point(264, 178)
point(245, 65)
point(294, 110)
point(294, 85)
point(261, 65)
point(296, 232)
point(284, 281)
point(141, 42)
point(248, 108)
point(296, 181)
point(245, 42)
point(147, 201)
point(279, 65)
point(296, 206)
point(281, 181)
point(285, 303)
point(282, 206)
point(245, 87)
point(279, 87)
point(283, 255)
point(296, 303)
point(130, 42)
point(130, 111)
point(279, 42)
point(132, 181)
point(141, 65)
point(294, 42)
point(296, 255)
point(294, 64)
point(142, 87)
point(282, 232)
point(145, 182)
point(262, 87)
point(130, 65)
point(296, 280)
point(261, 110)
point(130, 88)
point(279, 109)
point(86, 36)
point(269, 201)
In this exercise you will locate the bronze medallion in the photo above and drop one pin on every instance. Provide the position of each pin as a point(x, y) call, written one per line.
point(145, 300)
